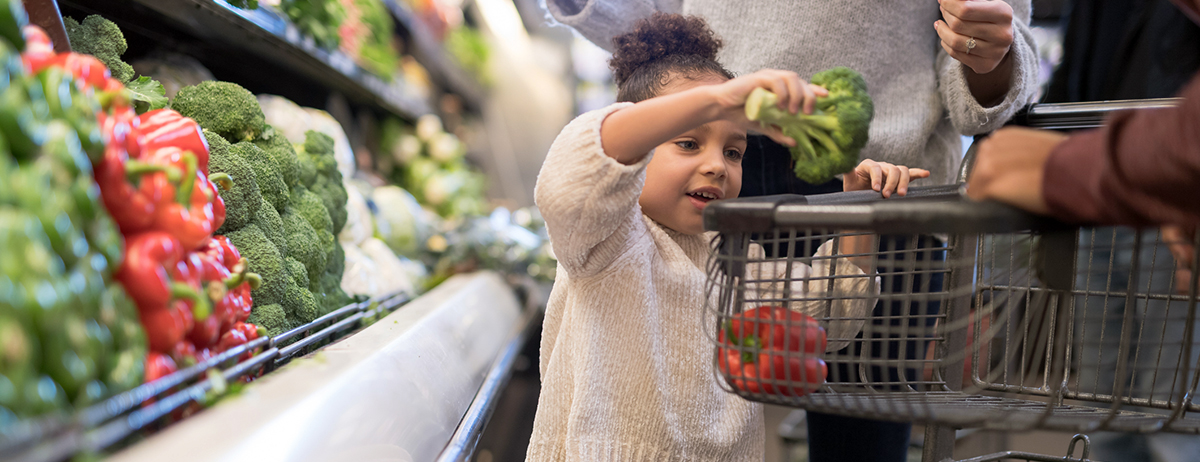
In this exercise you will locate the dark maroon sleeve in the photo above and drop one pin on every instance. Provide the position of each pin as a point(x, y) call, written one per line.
point(1141, 168)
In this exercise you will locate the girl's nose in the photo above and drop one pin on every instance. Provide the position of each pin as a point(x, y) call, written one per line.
point(714, 163)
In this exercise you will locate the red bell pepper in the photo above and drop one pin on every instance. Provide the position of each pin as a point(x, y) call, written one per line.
point(185, 209)
point(88, 71)
point(166, 128)
point(39, 50)
point(165, 283)
point(772, 350)
point(158, 365)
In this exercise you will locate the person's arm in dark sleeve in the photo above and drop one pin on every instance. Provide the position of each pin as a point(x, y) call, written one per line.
point(1142, 167)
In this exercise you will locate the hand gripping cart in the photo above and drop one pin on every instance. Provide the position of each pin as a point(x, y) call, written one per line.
point(955, 314)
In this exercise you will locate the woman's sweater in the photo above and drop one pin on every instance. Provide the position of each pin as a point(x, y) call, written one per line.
point(922, 102)
point(627, 369)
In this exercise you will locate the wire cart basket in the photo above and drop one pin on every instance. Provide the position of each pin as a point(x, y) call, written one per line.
point(954, 314)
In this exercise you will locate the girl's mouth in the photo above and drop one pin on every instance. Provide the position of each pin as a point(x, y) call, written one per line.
point(701, 199)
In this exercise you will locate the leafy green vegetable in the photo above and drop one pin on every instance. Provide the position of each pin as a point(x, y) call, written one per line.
point(319, 19)
point(828, 140)
point(148, 94)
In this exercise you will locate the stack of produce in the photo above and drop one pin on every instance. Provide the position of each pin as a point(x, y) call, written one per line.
point(430, 163)
point(191, 290)
point(319, 19)
point(68, 335)
point(366, 35)
point(284, 214)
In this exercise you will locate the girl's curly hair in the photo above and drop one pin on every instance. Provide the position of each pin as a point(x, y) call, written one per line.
point(660, 48)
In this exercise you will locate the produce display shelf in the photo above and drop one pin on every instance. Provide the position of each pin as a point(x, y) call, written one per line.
point(436, 60)
point(102, 425)
point(268, 34)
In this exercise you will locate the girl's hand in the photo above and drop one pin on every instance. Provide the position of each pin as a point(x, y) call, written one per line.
point(1179, 241)
point(794, 94)
point(883, 177)
point(988, 22)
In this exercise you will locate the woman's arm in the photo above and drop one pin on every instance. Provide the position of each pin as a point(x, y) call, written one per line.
point(601, 20)
point(983, 89)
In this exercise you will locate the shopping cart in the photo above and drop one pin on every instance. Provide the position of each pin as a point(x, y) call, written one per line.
point(979, 315)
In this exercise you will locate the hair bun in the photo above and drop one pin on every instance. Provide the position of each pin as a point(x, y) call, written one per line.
point(659, 36)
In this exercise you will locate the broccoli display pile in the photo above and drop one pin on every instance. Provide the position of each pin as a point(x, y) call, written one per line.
point(101, 38)
point(285, 217)
point(829, 139)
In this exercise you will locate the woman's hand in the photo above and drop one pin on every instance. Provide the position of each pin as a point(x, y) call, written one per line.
point(988, 22)
point(794, 95)
point(883, 177)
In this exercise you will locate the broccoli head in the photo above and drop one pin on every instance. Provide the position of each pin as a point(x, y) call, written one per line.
point(101, 38)
point(282, 153)
point(270, 317)
point(223, 107)
point(243, 199)
point(266, 173)
point(269, 221)
point(299, 304)
point(297, 271)
point(312, 208)
point(264, 259)
point(333, 194)
point(305, 245)
point(828, 140)
point(335, 265)
point(334, 297)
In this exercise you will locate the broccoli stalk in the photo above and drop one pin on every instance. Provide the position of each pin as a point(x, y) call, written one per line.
point(828, 140)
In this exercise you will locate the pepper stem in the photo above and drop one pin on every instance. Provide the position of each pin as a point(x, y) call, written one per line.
point(222, 179)
point(201, 308)
point(134, 169)
point(184, 193)
point(241, 275)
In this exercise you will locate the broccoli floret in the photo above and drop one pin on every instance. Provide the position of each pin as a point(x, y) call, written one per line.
point(270, 317)
point(223, 107)
point(281, 151)
point(335, 265)
point(242, 201)
point(320, 175)
point(265, 260)
point(309, 205)
point(334, 296)
point(299, 304)
point(333, 196)
point(305, 245)
point(297, 270)
point(270, 181)
point(101, 38)
point(271, 224)
point(829, 139)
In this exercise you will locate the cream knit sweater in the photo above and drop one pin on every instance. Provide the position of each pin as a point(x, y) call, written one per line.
point(627, 371)
point(922, 102)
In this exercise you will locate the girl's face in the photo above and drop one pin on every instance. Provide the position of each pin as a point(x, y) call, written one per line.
point(696, 167)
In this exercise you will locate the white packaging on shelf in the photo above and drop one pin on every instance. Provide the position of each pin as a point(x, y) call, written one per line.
point(361, 276)
point(360, 224)
point(293, 121)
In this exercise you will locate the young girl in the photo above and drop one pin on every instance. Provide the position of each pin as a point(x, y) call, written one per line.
point(626, 368)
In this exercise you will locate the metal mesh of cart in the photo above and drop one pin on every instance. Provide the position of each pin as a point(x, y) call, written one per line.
point(955, 313)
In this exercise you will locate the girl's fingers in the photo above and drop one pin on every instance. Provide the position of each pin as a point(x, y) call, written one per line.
point(891, 179)
point(801, 94)
point(776, 134)
point(917, 173)
point(902, 185)
point(779, 86)
point(876, 176)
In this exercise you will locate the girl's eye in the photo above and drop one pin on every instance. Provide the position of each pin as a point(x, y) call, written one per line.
point(733, 154)
point(687, 145)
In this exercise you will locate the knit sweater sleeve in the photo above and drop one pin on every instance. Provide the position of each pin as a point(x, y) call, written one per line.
point(601, 20)
point(588, 199)
point(967, 115)
point(842, 307)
